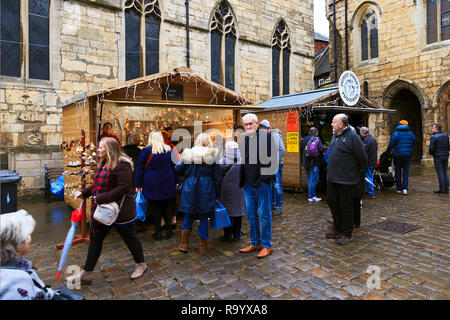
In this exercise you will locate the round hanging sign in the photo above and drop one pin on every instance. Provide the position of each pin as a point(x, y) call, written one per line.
point(349, 89)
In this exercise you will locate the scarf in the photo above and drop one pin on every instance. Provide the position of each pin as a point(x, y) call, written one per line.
point(231, 156)
point(100, 183)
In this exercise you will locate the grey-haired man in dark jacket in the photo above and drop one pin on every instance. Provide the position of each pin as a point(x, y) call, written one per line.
point(347, 163)
point(439, 149)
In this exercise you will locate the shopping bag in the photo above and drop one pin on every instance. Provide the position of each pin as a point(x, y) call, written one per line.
point(141, 206)
point(220, 219)
point(57, 187)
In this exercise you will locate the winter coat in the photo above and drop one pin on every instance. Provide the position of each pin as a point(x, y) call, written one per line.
point(402, 141)
point(254, 149)
point(347, 159)
point(281, 148)
point(202, 179)
point(120, 183)
point(158, 181)
point(16, 282)
point(372, 149)
point(439, 144)
point(309, 162)
point(231, 195)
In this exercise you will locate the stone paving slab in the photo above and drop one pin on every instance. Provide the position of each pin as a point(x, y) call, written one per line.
point(303, 264)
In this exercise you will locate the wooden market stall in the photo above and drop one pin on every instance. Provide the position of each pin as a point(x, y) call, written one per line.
point(177, 98)
point(295, 114)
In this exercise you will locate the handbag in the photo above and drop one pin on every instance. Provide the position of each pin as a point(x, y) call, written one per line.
point(180, 184)
point(220, 219)
point(107, 213)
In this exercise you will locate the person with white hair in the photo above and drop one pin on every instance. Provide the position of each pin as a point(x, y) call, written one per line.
point(231, 195)
point(260, 163)
point(155, 177)
point(200, 189)
point(18, 280)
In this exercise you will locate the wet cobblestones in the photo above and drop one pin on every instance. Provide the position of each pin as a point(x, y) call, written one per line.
point(303, 265)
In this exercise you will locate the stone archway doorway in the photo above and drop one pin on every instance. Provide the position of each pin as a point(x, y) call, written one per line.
point(408, 108)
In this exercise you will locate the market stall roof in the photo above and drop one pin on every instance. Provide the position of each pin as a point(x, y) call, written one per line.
point(152, 90)
point(326, 99)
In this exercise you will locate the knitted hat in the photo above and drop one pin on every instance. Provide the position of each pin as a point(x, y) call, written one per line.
point(229, 145)
point(265, 124)
point(404, 122)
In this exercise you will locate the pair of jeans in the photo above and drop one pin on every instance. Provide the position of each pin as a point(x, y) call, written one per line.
point(203, 227)
point(312, 176)
point(340, 202)
point(441, 166)
point(259, 213)
point(369, 175)
point(127, 233)
point(277, 189)
point(401, 171)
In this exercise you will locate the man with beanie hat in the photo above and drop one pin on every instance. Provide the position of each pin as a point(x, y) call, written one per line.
point(402, 141)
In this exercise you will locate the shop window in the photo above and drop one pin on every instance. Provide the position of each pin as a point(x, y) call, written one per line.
point(142, 26)
point(281, 51)
point(437, 20)
point(369, 36)
point(13, 41)
point(223, 43)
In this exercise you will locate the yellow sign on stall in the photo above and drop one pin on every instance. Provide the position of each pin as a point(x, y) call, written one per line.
point(292, 142)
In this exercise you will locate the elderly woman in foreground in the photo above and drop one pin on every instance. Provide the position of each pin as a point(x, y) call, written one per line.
point(18, 280)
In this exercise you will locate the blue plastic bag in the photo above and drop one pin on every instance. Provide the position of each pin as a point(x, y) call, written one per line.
point(57, 187)
point(141, 206)
point(220, 219)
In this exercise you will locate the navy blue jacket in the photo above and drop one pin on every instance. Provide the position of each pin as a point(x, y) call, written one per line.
point(372, 149)
point(202, 178)
point(402, 141)
point(439, 144)
point(158, 182)
point(314, 161)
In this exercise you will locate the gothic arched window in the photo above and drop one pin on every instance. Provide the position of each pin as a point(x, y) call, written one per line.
point(281, 51)
point(438, 20)
point(142, 25)
point(223, 41)
point(36, 39)
point(369, 35)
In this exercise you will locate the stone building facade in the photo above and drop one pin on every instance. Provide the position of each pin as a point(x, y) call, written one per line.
point(400, 52)
point(87, 50)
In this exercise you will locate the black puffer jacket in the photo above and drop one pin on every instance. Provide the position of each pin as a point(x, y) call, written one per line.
point(347, 160)
point(439, 144)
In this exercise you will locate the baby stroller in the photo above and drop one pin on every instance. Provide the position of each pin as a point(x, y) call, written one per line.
point(384, 173)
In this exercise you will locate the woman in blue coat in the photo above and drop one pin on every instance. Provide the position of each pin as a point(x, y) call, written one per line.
point(155, 177)
point(200, 189)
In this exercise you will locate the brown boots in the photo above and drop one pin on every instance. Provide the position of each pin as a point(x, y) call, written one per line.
point(204, 246)
point(185, 234)
point(184, 246)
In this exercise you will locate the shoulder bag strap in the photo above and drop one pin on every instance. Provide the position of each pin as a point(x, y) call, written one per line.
point(148, 161)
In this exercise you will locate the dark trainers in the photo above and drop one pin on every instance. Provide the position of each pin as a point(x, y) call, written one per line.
point(345, 240)
point(332, 233)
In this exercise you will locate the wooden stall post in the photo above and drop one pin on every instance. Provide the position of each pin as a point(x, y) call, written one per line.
point(83, 238)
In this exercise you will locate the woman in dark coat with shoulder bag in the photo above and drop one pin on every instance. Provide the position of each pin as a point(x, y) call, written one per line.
point(112, 182)
point(155, 177)
point(200, 189)
point(231, 195)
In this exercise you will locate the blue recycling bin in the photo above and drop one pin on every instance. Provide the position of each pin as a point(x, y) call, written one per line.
point(8, 189)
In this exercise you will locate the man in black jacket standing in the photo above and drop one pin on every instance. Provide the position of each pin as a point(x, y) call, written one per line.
point(259, 152)
point(371, 146)
point(439, 149)
point(347, 163)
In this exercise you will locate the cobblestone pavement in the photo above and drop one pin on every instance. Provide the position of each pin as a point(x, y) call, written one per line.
point(303, 264)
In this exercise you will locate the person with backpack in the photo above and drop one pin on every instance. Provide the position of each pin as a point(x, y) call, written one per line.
point(311, 154)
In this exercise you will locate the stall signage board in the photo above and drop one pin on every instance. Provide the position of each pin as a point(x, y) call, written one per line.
point(292, 142)
point(349, 89)
point(292, 131)
point(292, 121)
